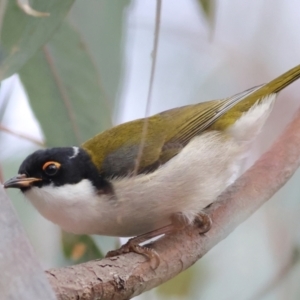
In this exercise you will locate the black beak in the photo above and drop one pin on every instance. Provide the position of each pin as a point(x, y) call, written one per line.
point(20, 181)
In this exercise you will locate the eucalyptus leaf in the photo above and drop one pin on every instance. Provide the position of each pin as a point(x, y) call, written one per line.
point(25, 6)
point(64, 90)
point(208, 8)
point(22, 35)
point(101, 23)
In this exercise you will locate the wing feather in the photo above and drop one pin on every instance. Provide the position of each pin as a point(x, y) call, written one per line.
point(205, 114)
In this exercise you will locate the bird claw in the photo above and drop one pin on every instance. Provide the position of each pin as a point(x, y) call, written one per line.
point(204, 222)
point(130, 246)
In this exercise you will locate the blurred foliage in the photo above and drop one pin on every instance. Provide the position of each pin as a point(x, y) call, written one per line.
point(179, 286)
point(25, 6)
point(187, 284)
point(61, 81)
point(79, 248)
point(22, 35)
point(101, 26)
point(73, 81)
point(208, 8)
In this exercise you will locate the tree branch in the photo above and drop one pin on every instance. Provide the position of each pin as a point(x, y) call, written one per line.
point(21, 275)
point(129, 275)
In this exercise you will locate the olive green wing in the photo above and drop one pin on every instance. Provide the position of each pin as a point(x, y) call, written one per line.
point(116, 150)
point(192, 120)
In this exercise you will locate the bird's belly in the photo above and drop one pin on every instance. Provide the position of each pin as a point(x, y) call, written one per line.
point(82, 214)
point(107, 219)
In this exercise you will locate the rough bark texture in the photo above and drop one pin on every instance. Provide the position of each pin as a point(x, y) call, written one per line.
point(129, 275)
point(21, 275)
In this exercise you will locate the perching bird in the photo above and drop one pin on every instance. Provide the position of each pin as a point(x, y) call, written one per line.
point(189, 156)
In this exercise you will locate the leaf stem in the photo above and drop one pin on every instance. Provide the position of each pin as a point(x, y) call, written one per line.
point(22, 136)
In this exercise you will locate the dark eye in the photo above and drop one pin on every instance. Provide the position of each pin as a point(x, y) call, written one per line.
point(51, 168)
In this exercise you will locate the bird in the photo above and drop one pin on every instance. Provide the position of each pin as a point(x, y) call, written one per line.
point(131, 182)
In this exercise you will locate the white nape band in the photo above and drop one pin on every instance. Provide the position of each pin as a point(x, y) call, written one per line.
point(76, 151)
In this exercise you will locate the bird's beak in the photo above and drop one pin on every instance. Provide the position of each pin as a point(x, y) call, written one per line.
point(20, 181)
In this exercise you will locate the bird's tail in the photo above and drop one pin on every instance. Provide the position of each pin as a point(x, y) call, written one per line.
point(279, 83)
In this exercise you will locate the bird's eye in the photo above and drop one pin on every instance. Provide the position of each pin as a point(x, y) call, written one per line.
point(51, 168)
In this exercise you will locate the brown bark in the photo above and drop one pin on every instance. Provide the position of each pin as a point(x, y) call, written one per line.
point(129, 275)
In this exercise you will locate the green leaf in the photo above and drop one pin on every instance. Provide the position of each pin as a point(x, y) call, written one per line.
point(65, 91)
point(208, 8)
point(101, 24)
point(80, 248)
point(22, 35)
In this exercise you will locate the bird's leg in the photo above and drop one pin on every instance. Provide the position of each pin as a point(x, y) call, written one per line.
point(133, 245)
point(178, 222)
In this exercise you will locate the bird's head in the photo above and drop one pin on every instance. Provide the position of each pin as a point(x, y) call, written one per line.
point(63, 184)
point(56, 167)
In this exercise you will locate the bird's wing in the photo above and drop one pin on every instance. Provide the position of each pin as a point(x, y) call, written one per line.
point(192, 122)
point(115, 151)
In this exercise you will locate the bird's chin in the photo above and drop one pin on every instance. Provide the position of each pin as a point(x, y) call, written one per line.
point(25, 189)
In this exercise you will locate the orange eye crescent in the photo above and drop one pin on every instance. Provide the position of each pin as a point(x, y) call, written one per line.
point(48, 163)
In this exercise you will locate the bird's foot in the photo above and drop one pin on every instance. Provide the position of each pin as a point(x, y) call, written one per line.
point(204, 222)
point(179, 222)
point(133, 246)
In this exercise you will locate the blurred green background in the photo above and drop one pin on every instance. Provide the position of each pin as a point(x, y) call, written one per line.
point(86, 67)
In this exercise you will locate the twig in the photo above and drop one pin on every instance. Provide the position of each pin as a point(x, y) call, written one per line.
point(1, 175)
point(153, 67)
point(22, 136)
point(129, 275)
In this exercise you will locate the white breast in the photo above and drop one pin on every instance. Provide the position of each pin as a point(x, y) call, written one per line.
point(187, 183)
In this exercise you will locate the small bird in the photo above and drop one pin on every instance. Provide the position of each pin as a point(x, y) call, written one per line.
point(129, 182)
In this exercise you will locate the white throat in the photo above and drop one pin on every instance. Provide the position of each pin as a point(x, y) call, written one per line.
point(65, 205)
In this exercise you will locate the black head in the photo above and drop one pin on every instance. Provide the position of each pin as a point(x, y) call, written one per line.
point(56, 166)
